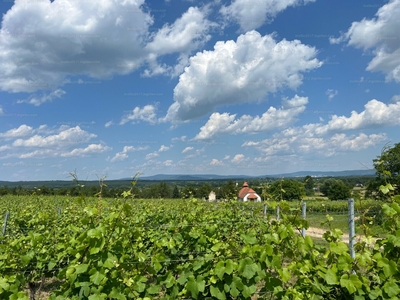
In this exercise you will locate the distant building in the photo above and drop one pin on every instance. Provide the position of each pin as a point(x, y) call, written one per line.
point(248, 194)
point(212, 197)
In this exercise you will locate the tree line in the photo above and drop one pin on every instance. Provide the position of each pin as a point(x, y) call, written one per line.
point(144, 191)
point(285, 189)
point(387, 167)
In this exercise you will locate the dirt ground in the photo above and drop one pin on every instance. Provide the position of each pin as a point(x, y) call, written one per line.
point(319, 232)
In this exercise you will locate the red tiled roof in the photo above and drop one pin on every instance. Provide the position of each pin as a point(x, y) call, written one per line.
point(252, 196)
point(246, 190)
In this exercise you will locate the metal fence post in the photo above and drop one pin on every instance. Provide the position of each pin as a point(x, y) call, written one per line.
point(351, 228)
point(303, 213)
point(278, 209)
point(5, 223)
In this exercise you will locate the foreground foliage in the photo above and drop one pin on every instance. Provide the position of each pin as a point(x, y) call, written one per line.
point(174, 249)
point(387, 167)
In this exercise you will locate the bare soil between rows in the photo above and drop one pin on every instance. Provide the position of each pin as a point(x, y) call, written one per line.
point(319, 233)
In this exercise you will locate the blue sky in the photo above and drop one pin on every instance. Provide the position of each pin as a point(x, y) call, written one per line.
point(256, 87)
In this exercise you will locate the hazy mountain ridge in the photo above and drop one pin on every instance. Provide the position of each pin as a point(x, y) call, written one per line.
point(159, 177)
point(327, 173)
point(185, 177)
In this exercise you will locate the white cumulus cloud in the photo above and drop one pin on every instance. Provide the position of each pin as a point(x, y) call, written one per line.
point(89, 150)
point(375, 114)
point(251, 14)
point(155, 154)
point(42, 42)
point(44, 142)
point(45, 43)
point(108, 124)
point(395, 99)
point(325, 146)
point(333, 138)
point(216, 162)
point(163, 148)
point(226, 124)
point(187, 149)
point(38, 100)
point(331, 93)
point(237, 72)
point(185, 35)
point(152, 155)
point(121, 156)
point(381, 34)
point(146, 114)
point(63, 139)
point(168, 162)
point(182, 138)
point(21, 131)
point(238, 158)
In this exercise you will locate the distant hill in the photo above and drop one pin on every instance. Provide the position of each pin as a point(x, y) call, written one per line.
point(327, 173)
point(183, 177)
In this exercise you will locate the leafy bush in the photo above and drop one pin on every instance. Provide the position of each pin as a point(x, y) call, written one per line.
point(335, 189)
point(287, 189)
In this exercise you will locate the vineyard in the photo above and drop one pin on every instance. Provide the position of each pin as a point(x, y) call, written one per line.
point(124, 248)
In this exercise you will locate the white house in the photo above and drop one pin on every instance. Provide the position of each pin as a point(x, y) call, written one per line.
point(211, 196)
point(248, 194)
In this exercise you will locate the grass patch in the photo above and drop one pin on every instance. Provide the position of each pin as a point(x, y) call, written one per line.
point(319, 220)
point(341, 222)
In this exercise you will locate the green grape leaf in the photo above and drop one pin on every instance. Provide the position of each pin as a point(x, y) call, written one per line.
point(331, 277)
point(229, 266)
point(339, 248)
point(220, 269)
point(154, 289)
point(81, 268)
point(97, 277)
point(351, 283)
point(216, 293)
point(392, 288)
point(248, 291)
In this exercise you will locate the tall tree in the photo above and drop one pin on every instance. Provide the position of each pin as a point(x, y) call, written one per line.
point(324, 189)
point(175, 193)
point(339, 191)
point(188, 192)
point(309, 185)
point(164, 190)
point(287, 189)
point(203, 191)
point(387, 167)
point(230, 190)
point(4, 190)
point(335, 189)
